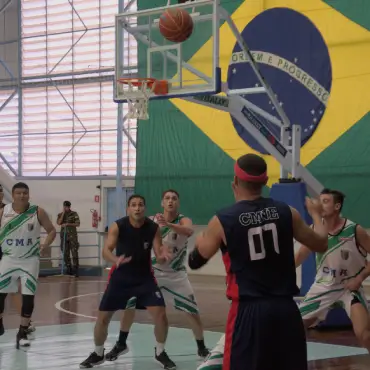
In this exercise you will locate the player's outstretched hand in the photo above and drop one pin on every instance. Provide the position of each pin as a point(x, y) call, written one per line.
point(123, 259)
point(161, 220)
point(314, 207)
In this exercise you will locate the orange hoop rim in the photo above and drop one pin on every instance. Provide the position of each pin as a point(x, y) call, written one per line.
point(137, 81)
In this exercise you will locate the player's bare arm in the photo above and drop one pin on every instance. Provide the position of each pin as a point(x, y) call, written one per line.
point(161, 251)
point(315, 240)
point(110, 244)
point(363, 241)
point(207, 244)
point(301, 256)
point(46, 223)
point(185, 227)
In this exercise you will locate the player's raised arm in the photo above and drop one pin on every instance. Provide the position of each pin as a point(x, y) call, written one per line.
point(314, 239)
point(207, 244)
point(110, 244)
point(184, 227)
point(161, 252)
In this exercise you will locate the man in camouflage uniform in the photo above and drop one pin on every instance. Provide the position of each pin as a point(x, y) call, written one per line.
point(69, 221)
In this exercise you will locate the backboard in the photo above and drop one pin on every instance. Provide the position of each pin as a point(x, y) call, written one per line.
point(164, 60)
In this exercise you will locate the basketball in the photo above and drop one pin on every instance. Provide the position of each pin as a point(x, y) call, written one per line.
point(176, 25)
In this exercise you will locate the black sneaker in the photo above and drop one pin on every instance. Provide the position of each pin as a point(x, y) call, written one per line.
point(22, 339)
point(203, 352)
point(93, 360)
point(164, 360)
point(2, 330)
point(118, 350)
point(30, 334)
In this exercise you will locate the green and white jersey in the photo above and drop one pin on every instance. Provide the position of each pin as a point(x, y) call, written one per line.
point(344, 259)
point(178, 246)
point(20, 233)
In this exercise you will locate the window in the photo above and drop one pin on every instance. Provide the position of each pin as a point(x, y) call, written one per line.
point(69, 126)
point(9, 129)
point(77, 125)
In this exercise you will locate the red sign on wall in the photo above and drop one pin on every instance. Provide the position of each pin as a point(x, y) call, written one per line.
point(97, 198)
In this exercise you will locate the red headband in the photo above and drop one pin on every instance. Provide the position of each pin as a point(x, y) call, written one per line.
point(244, 176)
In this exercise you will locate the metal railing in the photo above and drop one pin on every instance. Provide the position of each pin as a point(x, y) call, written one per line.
point(60, 242)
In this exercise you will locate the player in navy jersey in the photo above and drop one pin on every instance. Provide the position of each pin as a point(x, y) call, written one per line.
point(264, 327)
point(132, 282)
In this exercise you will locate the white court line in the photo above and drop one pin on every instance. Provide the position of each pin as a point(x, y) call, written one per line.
point(72, 280)
point(59, 307)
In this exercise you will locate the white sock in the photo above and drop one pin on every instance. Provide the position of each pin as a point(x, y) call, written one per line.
point(159, 348)
point(99, 350)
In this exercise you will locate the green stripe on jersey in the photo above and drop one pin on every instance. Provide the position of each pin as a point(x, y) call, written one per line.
point(165, 230)
point(16, 223)
point(334, 242)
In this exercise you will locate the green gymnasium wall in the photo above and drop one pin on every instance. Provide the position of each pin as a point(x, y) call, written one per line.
point(192, 148)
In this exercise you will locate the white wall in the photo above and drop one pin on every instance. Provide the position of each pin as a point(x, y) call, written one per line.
point(8, 33)
point(50, 195)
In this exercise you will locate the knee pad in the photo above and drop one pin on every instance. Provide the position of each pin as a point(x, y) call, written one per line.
point(2, 301)
point(27, 305)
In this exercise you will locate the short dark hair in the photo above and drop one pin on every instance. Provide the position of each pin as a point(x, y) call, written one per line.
point(337, 195)
point(20, 185)
point(253, 165)
point(135, 196)
point(170, 191)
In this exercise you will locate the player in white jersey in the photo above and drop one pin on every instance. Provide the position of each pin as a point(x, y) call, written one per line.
point(340, 270)
point(20, 243)
point(172, 278)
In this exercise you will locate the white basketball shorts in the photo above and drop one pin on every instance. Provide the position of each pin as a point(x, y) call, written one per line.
point(320, 299)
point(177, 290)
point(14, 269)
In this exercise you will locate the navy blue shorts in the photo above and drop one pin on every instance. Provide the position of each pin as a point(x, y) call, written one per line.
point(265, 334)
point(122, 294)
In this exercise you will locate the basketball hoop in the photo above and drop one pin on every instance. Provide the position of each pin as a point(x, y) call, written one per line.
point(137, 91)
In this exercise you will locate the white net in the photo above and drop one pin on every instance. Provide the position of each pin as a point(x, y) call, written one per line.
point(137, 93)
